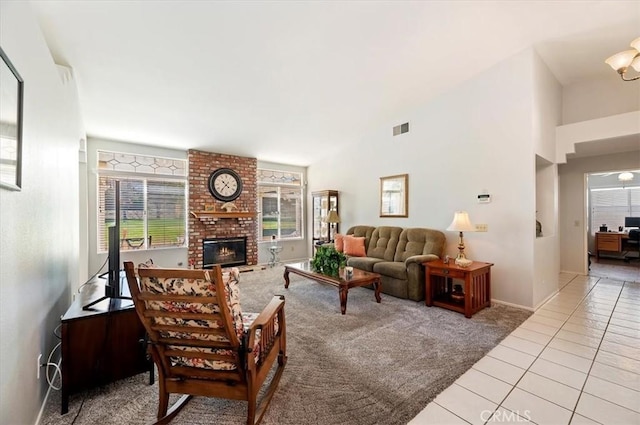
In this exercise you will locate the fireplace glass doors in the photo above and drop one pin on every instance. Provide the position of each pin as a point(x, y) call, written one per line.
point(224, 251)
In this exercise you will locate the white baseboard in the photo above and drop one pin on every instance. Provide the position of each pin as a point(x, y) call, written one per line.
point(543, 302)
point(573, 272)
point(493, 300)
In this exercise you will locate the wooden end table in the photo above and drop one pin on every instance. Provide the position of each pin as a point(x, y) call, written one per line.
point(476, 286)
point(359, 278)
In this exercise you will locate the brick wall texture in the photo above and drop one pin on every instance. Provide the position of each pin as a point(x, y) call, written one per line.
point(201, 165)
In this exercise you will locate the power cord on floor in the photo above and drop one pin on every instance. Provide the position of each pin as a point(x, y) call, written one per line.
point(79, 409)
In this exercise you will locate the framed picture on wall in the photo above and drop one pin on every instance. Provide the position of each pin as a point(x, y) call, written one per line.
point(394, 196)
point(11, 97)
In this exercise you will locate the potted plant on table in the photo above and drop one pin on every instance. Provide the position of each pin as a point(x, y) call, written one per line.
point(328, 260)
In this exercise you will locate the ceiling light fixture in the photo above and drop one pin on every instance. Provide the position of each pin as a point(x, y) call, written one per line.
point(621, 62)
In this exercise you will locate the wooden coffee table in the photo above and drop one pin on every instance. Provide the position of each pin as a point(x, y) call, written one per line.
point(359, 278)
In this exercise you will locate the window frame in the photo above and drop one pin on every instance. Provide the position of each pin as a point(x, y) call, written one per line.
point(145, 178)
point(297, 185)
point(631, 208)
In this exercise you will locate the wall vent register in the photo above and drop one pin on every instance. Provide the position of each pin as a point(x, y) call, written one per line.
point(401, 129)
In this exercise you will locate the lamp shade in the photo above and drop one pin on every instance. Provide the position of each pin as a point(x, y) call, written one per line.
point(621, 61)
point(332, 217)
point(461, 223)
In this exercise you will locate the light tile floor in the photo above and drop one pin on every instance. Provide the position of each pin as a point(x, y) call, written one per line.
point(576, 360)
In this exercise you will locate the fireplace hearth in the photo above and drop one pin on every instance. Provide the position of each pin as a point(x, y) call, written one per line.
point(224, 251)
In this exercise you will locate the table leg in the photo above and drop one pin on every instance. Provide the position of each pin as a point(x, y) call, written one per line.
point(286, 278)
point(468, 296)
point(343, 299)
point(65, 401)
point(377, 286)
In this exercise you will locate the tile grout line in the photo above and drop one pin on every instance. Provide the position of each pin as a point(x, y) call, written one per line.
point(546, 345)
point(594, 360)
point(590, 292)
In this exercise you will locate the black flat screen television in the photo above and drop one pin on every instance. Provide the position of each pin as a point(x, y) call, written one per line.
point(113, 288)
point(631, 222)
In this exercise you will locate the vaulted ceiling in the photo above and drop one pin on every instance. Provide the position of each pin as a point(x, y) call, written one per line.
point(269, 79)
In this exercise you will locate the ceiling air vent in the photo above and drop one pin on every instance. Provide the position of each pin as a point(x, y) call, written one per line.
point(401, 129)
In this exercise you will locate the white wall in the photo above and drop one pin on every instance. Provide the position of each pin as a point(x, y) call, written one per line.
point(547, 115)
point(573, 228)
point(599, 98)
point(477, 136)
point(39, 225)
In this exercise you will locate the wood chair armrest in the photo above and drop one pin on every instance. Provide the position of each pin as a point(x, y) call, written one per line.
point(266, 323)
point(269, 312)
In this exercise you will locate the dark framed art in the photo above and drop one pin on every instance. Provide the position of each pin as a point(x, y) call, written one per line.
point(11, 106)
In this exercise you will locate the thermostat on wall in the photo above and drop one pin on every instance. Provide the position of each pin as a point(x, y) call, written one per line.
point(484, 198)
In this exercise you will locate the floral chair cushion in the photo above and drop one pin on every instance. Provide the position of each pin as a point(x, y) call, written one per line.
point(204, 287)
point(248, 319)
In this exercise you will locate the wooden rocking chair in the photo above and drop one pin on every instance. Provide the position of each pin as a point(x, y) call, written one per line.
point(200, 341)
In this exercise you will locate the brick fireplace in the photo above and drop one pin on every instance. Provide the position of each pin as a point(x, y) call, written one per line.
point(205, 223)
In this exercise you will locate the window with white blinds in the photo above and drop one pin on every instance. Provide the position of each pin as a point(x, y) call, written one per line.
point(153, 200)
point(280, 195)
point(611, 205)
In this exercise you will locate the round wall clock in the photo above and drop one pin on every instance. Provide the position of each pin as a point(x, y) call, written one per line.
point(225, 184)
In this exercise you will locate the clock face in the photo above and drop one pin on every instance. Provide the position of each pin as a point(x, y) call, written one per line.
point(225, 184)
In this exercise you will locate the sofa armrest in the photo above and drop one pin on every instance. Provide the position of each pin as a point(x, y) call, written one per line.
point(419, 259)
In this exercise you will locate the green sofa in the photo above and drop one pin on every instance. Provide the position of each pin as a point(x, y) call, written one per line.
point(397, 255)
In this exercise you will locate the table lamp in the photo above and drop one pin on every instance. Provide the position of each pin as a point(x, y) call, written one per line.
point(332, 218)
point(461, 223)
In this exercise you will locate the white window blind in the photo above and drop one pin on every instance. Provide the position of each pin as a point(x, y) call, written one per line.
point(610, 206)
point(153, 208)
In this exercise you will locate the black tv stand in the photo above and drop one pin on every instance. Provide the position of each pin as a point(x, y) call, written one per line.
point(102, 344)
point(112, 292)
point(114, 302)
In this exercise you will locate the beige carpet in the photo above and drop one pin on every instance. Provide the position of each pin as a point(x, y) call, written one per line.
point(378, 364)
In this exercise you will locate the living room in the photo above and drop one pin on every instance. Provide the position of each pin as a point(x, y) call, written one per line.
point(480, 134)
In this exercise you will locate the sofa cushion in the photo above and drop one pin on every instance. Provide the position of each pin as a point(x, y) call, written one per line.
point(360, 230)
point(394, 269)
point(354, 246)
point(419, 241)
point(339, 242)
point(384, 241)
point(363, 263)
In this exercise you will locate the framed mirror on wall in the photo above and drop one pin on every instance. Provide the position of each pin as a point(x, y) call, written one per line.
point(11, 99)
point(394, 196)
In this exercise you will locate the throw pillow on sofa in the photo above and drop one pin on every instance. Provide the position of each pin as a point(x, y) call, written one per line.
point(339, 242)
point(354, 246)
